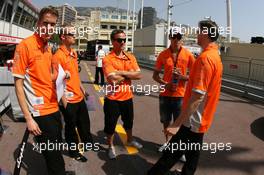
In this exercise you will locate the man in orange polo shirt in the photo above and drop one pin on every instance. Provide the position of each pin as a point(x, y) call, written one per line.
point(36, 91)
point(75, 111)
point(120, 68)
point(177, 61)
point(199, 105)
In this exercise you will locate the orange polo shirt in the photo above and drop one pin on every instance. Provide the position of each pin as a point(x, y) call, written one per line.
point(32, 62)
point(184, 62)
point(205, 78)
point(68, 61)
point(111, 64)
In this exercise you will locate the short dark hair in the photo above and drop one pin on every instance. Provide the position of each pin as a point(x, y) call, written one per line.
point(63, 29)
point(114, 32)
point(100, 47)
point(50, 9)
point(212, 28)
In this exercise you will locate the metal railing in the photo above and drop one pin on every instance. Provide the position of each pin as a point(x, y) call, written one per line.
point(240, 74)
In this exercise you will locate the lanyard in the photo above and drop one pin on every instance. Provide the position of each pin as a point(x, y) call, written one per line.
point(176, 60)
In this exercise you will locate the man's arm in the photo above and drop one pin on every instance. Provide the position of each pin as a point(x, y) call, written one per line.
point(31, 124)
point(192, 106)
point(157, 78)
point(132, 75)
point(115, 79)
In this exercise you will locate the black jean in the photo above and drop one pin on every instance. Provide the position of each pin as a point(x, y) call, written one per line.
point(76, 117)
point(99, 70)
point(51, 127)
point(169, 158)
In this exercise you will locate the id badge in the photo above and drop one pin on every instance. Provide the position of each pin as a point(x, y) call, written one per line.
point(38, 103)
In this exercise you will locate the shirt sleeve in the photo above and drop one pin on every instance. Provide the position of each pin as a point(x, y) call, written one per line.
point(158, 65)
point(191, 61)
point(202, 76)
point(21, 61)
point(108, 67)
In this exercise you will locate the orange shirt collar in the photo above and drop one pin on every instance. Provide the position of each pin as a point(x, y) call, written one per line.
point(67, 52)
point(39, 41)
point(113, 54)
point(170, 50)
point(211, 46)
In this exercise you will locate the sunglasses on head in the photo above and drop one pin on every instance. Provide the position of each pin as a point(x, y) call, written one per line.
point(177, 36)
point(120, 40)
point(70, 34)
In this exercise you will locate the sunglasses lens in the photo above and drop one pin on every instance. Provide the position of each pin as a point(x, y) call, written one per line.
point(120, 40)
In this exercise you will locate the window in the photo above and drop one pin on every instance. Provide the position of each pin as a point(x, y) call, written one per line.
point(113, 27)
point(114, 17)
point(104, 27)
point(123, 17)
point(17, 15)
point(105, 16)
point(129, 39)
point(122, 27)
point(7, 13)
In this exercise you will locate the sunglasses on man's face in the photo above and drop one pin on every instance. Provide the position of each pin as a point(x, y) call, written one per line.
point(120, 40)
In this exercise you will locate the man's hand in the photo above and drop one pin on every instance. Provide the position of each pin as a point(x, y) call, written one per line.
point(67, 75)
point(33, 127)
point(170, 86)
point(171, 130)
point(86, 95)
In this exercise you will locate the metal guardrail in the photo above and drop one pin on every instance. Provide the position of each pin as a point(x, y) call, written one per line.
point(244, 76)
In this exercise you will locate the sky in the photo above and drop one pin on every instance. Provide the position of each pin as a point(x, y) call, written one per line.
point(246, 15)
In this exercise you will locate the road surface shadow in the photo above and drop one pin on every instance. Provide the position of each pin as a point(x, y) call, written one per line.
point(227, 160)
point(257, 128)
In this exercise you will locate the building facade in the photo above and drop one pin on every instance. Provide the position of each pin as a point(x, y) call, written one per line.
point(102, 21)
point(67, 14)
point(149, 17)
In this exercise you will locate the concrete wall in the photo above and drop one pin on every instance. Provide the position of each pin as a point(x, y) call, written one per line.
point(245, 50)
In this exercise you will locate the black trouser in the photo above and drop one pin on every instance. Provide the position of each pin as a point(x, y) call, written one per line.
point(168, 159)
point(97, 71)
point(50, 125)
point(76, 116)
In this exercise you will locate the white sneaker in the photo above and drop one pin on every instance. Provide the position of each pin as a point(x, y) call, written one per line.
point(111, 153)
point(162, 147)
point(135, 144)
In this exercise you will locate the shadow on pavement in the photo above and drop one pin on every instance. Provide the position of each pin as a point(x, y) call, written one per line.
point(227, 160)
point(257, 128)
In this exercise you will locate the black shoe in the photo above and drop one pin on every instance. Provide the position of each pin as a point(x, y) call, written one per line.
point(79, 157)
point(70, 173)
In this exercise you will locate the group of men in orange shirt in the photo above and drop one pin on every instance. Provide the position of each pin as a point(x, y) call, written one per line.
point(35, 70)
